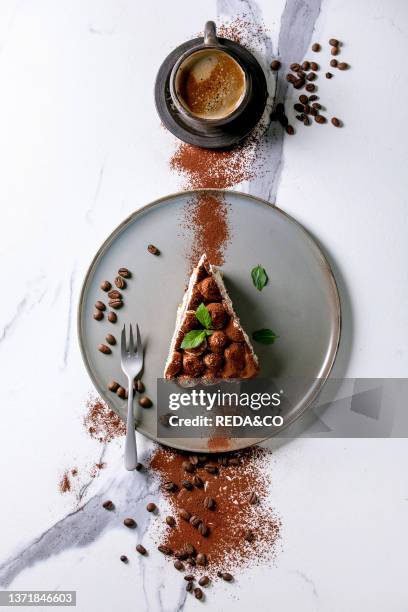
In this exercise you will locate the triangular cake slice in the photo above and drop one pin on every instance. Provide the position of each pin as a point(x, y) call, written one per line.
point(226, 353)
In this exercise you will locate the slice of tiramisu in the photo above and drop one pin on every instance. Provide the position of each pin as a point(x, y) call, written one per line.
point(209, 343)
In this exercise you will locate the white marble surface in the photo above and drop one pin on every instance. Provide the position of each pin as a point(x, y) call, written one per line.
point(80, 148)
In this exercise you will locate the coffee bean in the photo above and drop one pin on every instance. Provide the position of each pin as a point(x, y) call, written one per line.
point(306, 120)
point(169, 485)
point(333, 42)
point(189, 586)
point(124, 272)
point(249, 536)
point(113, 386)
point(108, 505)
point(317, 105)
point(334, 50)
point(141, 549)
point(320, 119)
point(219, 574)
point(253, 498)
point(329, 75)
point(105, 285)
point(211, 468)
point(115, 294)
point(299, 83)
point(198, 594)
point(151, 507)
point(184, 514)
point(100, 305)
point(139, 386)
point(314, 66)
point(124, 558)
point(189, 549)
point(306, 65)
point(153, 250)
point(295, 67)
point(110, 339)
point(191, 562)
point(179, 565)
point(104, 349)
point(343, 66)
point(310, 87)
point(336, 122)
point(139, 467)
point(195, 520)
point(201, 559)
point(314, 112)
point(170, 521)
point(166, 550)
point(129, 522)
point(334, 63)
point(209, 503)
point(145, 402)
point(290, 78)
point(116, 304)
point(298, 107)
point(120, 282)
point(313, 97)
point(311, 76)
point(198, 482)
point(187, 466)
point(189, 578)
point(227, 577)
point(204, 581)
point(98, 315)
point(303, 99)
point(112, 316)
point(187, 485)
point(307, 109)
point(275, 65)
point(300, 117)
point(290, 130)
point(203, 529)
point(316, 47)
point(181, 554)
point(121, 392)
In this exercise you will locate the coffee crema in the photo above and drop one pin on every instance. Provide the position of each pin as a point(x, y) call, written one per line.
point(210, 84)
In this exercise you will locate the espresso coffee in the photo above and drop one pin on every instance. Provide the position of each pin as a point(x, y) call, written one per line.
point(210, 84)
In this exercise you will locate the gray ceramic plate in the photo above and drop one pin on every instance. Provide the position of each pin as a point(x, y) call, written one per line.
point(300, 302)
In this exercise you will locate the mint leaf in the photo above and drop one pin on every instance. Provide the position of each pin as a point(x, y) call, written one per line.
point(259, 277)
point(203, 315)
point(194, 338)
point(264, 336)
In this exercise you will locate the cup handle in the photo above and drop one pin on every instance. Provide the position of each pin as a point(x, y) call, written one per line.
point(210, 34)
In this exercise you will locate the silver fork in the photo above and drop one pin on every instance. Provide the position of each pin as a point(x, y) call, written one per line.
point(132, 364)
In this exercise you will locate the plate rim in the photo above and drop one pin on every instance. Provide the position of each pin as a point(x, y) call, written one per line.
point(313, 393)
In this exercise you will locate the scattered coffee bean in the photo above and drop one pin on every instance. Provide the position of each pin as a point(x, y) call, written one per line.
point(124, 558)
point(211, 468)
point(334, 50)
point(203, 529)
point(316, 47)
point(307, 109)
point(120, 282)
point(290, 78)
point(336, 122)
point(253, 498)
point(310, 87)
point(98, 315)
point(201, 559)
point(189, 586)
point(303, 99)
point(306, 120)
point(311, 76)
point(108, 505)
point(170, 486)
point(204, 580)
point(100, 305)
point(317, 105)
point(333, 42)
point(300, 117)
point(227, 577)
point(299, 83)
point(110, 339)
point(115, 294)
point(249, 536)
point(151, 507)
point(112, 316)
point(290, 130)
point(334, 63)
point(306, 65)
point(209, 503)
point(295, 67)
point(141, 549)
point(313, 97)
point(320, 119)
point(166, 550)
point(184, 514)
point(219, 574)
point(129, 522)
point(275, 65)
point(189, 577)
point(195, 520)
point(139, 467)
point(314, 66)
point(298, 107)
point(153, 250)
point(105, 285)
point(124, 272)
point(343, 66)
point(116, 304)
point(181, 554)
point(329, 75)
point(104, 349)
point(198, 594)
point(191, 562)
point(139, 386)
point(113, 386)
point(170, 521)
point(197, 481)
point(121, 392)
point(187, 485)
point(314, 112)
point(187, 466)
point(145, 402)
point(179, 565)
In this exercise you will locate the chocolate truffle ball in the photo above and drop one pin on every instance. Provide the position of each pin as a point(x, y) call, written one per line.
point(198, 350)
point(235, 353)
point(190, 322)
point(233, 331)
point(217, 341)
point(213, 361)
point(195, 299)
point(218, 315)
point(193, 365)
point(209, 289)
point(175, 364)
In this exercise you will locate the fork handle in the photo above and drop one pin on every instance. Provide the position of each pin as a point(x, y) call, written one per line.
point(130, 442)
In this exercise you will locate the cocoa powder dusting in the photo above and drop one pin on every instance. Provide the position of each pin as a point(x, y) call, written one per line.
point(228, 545)
point(102, 423)
point(65, 483)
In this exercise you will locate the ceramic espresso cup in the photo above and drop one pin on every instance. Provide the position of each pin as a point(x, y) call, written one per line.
point(208, 84)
